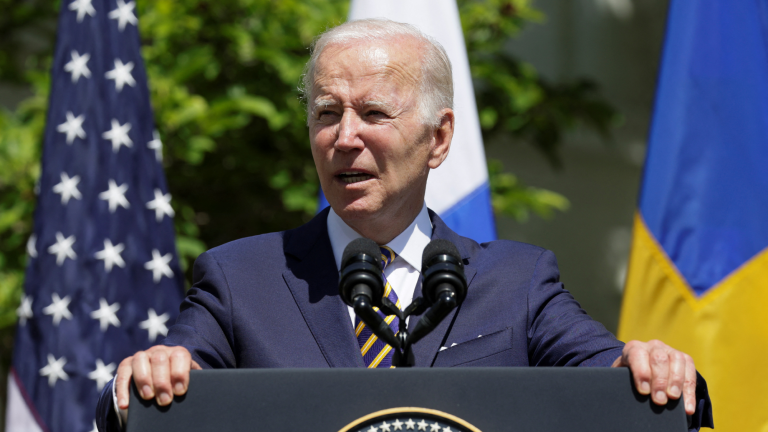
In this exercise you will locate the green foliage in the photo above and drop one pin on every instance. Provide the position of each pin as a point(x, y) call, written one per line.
point(513, 101)
point(513, 198)
point(519, 104)
point(20, 133)
point(27, 28)
point(223, 81)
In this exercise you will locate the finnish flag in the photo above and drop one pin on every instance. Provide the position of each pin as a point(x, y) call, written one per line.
point(458, 190)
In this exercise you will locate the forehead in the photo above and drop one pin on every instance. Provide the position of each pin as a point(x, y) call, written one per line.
point(366, 64)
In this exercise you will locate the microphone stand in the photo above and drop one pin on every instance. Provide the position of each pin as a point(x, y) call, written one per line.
point(403, 355)
point(444, 286)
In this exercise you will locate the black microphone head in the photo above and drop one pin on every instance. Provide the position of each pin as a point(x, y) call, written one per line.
point(438, 247)
point(361, 246)
point(361, 272)
point(442, 269)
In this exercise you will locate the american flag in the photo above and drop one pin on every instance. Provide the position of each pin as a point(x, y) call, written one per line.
point(103, 278)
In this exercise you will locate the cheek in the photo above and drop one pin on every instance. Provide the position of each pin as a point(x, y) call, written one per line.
point(320, 157)
point(416, 158)
point(321, 142)
point(408, 159)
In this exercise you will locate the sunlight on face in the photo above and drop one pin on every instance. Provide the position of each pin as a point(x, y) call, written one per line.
point(371, 151)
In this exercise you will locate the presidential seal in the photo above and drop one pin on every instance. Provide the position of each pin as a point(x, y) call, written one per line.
point(409, 419)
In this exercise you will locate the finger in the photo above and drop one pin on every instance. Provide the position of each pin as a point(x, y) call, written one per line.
point(619, 362)
point(659, 374)
point(635, 356)
point(196, 366)
point(689, 386)
point(181, 362)
point(142, 374)
point(122, 383)
point(161, 376)
point(676, 374)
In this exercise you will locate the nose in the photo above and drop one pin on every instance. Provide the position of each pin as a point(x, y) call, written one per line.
point(350, 128)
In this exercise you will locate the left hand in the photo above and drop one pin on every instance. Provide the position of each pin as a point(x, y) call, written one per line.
point(661, 371)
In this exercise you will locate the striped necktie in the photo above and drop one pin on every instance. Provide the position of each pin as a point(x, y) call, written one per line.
point(376, 353)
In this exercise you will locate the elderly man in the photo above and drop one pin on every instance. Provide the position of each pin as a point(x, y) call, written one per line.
point(379, 100)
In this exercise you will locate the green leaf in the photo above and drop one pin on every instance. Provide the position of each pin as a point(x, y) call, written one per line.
point(510, 197)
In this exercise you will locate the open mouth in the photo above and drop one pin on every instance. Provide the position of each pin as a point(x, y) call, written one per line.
point(353, 177)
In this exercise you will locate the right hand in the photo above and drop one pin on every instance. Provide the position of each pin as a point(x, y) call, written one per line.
point(159, 372)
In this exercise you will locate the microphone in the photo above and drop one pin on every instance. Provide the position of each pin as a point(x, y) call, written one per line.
point(444, 287)
point(361, 286)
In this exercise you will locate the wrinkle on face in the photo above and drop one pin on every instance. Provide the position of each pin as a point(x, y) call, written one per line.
point(365, 117)
point(375, 56)
point(394, 72)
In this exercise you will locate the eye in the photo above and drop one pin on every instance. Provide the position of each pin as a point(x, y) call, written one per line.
point(375, 113)
point(325, 113)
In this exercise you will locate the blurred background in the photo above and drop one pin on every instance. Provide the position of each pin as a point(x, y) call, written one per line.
point(564, 90)
point(616, 44)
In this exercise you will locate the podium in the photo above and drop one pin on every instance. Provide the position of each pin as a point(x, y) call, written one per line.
point(417, 399)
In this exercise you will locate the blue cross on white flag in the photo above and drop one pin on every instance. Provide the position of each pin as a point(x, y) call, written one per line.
point(103, 279)
point(458, 190)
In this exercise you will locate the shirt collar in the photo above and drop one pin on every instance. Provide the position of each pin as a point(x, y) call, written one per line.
point(408, 245)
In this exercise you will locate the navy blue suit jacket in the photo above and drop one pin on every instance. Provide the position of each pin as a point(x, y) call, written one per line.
point(272, 301)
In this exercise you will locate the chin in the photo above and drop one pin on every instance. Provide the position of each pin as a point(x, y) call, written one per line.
point(356, 209)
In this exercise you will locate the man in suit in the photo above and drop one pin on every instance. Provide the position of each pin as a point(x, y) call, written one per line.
point(379, 97)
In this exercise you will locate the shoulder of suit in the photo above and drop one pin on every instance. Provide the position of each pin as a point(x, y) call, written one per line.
point(258, 245)
point(472, 250)
point(505, 250)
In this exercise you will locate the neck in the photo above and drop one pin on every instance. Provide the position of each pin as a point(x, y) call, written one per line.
point(384, 228)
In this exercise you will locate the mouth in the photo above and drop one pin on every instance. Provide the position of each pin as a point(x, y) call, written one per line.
point(350, 177)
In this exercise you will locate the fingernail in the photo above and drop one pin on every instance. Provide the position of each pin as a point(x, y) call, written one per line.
point(146, 392)
point(165, 399)
point(645, 388)
point(179, 388)
point(675, 390)
point(689, 406)
point(660, 396)
point(121, 402)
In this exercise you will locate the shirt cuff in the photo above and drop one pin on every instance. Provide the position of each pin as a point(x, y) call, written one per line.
point(122, 414)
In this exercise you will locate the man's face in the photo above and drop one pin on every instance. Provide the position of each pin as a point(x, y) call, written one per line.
point(371, 151)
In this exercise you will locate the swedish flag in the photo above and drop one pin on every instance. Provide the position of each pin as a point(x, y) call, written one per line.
point(698, 272)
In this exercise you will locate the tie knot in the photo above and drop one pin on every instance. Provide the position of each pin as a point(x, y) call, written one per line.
point(387, 256)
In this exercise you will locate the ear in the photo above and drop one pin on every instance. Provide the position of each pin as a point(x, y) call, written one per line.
point(441, 138)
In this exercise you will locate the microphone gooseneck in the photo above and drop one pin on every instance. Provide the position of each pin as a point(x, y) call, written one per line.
point(361, 286)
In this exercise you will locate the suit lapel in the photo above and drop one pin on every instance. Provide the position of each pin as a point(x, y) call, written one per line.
point(313, 280)
point(425, 351)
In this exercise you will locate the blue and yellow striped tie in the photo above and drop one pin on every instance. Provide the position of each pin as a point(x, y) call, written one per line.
point(376, 353)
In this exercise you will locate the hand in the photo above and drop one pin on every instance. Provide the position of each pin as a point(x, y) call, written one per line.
point(158, 373)
point(661, 371)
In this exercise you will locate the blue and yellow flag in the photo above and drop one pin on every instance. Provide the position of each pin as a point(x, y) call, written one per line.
point(698, 272)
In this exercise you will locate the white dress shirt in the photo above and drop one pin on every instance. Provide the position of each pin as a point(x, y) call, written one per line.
point(404, 273)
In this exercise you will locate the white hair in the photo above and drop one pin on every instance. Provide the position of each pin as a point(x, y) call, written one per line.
point(436, 87)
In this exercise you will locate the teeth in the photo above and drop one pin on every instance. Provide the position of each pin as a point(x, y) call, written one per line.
point(354, 177)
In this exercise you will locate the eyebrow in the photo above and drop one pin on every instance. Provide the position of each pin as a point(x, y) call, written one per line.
point(321, 103)
point(379, 104)
point(324, 102)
